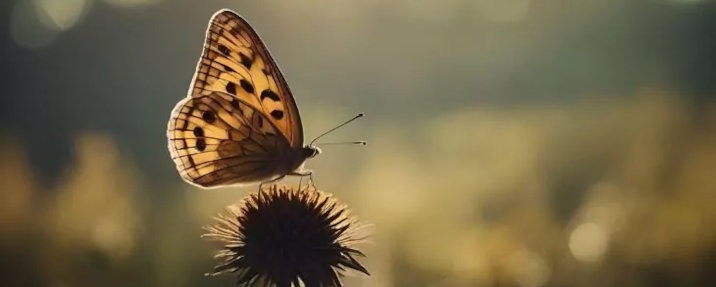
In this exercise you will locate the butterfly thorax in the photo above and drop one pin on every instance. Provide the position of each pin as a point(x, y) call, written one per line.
point(292, 160)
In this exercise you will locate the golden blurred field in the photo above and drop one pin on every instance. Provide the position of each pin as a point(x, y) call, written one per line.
point(511, 143)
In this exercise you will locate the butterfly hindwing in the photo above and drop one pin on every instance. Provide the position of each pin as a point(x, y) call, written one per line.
point(236, 62)
point(218, 139)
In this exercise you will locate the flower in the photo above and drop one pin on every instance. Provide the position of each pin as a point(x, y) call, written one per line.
point(281, 236)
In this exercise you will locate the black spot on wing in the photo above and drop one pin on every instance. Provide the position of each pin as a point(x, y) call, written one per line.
point(198, 132)
point(269, 94)
point(231, 88)
point(235, 103)
point(227, 68)
point(248, 87)
point(208, 116)
point(276, 114)
point(224, 50)
point(200, 144)
point(246, 61)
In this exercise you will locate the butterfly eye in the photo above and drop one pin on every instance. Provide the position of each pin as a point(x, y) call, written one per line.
point(310, 151)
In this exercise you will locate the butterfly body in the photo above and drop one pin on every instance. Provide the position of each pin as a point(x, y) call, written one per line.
point(240, 123)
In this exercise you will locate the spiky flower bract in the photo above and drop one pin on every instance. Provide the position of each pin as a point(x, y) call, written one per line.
point(284, 236)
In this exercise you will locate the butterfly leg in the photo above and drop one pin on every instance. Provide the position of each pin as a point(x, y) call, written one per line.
point(261, 185)
point(301, 181)
point(303, 174)
point(310, 178)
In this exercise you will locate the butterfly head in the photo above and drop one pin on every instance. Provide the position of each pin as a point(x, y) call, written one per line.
point(310, 151)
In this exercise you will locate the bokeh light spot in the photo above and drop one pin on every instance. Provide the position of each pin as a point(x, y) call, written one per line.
point(528, 268)
point(588, 242)
point(26, 29)
point(61, 15)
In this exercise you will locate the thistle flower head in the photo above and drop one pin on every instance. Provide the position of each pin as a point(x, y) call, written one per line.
point(283, 236)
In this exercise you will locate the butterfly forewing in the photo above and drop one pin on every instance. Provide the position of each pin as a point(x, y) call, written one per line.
point(235, 61)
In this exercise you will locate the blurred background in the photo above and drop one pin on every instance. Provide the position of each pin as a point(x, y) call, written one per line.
point(511, 142)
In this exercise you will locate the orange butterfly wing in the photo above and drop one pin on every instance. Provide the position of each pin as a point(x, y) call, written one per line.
point(218, 140)
point(235, 61)
point(240, 123)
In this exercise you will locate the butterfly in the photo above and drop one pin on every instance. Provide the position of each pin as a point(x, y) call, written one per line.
point(239, 123)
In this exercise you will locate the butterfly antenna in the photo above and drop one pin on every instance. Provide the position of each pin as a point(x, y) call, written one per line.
point(333, 129)
point(338, 143)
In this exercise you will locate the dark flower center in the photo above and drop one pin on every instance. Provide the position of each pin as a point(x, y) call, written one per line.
point(287, 235)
